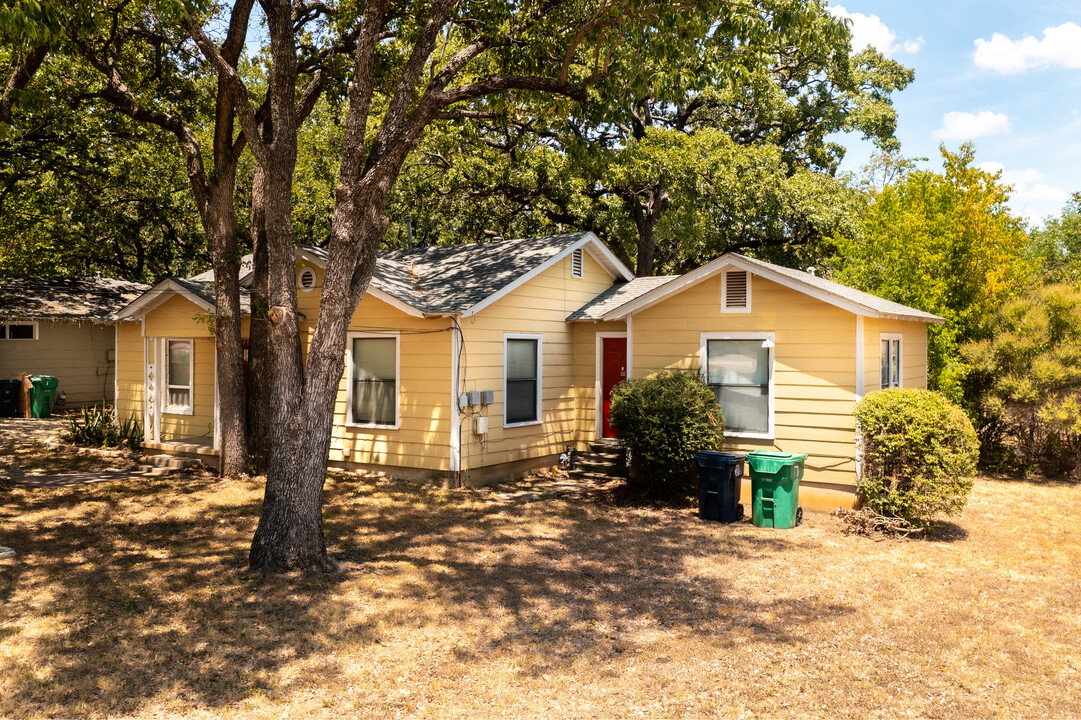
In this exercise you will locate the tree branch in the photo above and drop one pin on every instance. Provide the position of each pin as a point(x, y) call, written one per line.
point(20, 78)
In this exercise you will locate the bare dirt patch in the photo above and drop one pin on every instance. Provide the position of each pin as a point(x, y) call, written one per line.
point(132, 600)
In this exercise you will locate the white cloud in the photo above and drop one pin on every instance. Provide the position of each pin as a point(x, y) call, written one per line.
point(870, 30)
point(967, 126)
point(1060, 47)
point(1031, 199)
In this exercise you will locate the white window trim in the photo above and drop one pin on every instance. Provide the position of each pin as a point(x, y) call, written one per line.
point(724, 291)
point(300, 273)
point(350, 337)
point(31, 323)
point(540, 379)
point(703, 364)
point(900, 358)
point(167, 408)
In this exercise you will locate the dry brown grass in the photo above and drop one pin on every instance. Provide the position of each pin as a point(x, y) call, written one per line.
point(131, 600)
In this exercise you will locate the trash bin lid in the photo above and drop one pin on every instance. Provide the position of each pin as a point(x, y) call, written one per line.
point(770, 462)
point(716, 459)
point(47, 382)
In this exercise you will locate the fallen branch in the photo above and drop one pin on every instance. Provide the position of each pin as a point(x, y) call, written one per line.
point(869, 523)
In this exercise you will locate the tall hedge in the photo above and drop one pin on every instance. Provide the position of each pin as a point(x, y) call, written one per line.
point(664, 420)
point(919, 454)
point(1028, 381)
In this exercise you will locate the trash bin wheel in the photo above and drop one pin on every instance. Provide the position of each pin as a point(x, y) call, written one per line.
point(739, 512)
point(799, 515)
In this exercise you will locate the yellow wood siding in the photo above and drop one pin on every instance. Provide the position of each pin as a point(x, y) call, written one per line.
point(913, 351)
point(539, 307)
point(177, 318)
point(422, 439)
point(76, 353)
point(814, 368)
point(200, 424)
point(130, 373)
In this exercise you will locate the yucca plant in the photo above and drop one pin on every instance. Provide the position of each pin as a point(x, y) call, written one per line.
point(98, 428)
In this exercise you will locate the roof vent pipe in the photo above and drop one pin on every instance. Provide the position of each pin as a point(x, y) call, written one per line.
point(409, 232)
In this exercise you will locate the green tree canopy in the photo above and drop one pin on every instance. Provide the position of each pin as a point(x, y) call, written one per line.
point(944, 242)
point(718, 145)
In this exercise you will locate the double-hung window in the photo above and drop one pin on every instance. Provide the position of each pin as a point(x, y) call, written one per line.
point(890, 361)
point(739, 370)
point(522, 379)
point(179, 366)
point(373, 364)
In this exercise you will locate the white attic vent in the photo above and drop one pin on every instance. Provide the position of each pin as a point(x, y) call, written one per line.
point(576, 263)
point(306, 279)
point(736, 291)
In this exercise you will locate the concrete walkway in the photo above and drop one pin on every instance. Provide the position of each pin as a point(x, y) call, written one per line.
point(83, 478)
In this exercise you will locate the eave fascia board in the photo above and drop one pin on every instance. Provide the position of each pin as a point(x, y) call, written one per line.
point(728, 260)
point(666, 290)
point(589, 239)
point(384, 296)
point(156, 296)
point(604, 256)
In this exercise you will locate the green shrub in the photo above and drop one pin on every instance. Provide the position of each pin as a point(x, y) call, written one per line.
point(1027, 379)
point(98, 428)
point(664, 420)
point(919, 454)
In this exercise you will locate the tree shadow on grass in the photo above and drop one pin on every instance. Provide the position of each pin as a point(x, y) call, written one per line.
point(131, 598)
point(568, 578)
point(121, 596)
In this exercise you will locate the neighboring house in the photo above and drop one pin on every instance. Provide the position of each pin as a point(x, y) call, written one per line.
point(65, 327)
point(478, 362)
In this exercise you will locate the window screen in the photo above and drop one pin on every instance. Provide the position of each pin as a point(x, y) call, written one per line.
point(522, 375)
point(375, 381)
point(738, 372)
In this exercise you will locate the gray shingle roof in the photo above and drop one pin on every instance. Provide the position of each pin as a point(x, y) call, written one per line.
point(617, 295)
point(205, 289)
point(454, 278)
point(872, 302)
point(446, 279)
point(71, 298)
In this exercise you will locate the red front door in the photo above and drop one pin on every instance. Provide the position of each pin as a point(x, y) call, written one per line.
point(613, 372)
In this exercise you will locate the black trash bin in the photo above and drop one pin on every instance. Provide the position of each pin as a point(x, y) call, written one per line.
point(719, 478)
point(9, 397)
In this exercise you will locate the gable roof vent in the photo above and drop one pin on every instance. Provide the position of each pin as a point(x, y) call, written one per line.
point(736, 291)
point(306, 279)
point(576, 263)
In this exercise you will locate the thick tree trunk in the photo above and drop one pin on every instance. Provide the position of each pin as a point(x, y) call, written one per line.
point(224, 256)
point(258, 338)
point(645, 207)
point(290, 531)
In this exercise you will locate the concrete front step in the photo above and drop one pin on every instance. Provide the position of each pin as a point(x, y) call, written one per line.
point(607, 460)
point(171, 462)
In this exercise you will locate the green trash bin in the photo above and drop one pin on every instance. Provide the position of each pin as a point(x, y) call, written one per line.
point(41, 395)
point(775, 480)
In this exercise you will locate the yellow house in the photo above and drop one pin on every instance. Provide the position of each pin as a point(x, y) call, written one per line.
point(473, 363)
point(65, 327)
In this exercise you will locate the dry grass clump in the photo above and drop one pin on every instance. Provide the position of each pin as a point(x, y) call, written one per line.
point(132, 600)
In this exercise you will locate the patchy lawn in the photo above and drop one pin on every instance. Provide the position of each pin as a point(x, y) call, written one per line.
point(131, 599)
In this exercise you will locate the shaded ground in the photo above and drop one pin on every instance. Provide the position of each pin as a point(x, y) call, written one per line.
point(130, 599)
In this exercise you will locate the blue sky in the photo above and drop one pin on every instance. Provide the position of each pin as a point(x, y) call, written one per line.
point(1004, 75)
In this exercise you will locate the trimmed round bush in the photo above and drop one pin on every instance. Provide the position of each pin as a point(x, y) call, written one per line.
point(664, 420)
point(919, 454)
